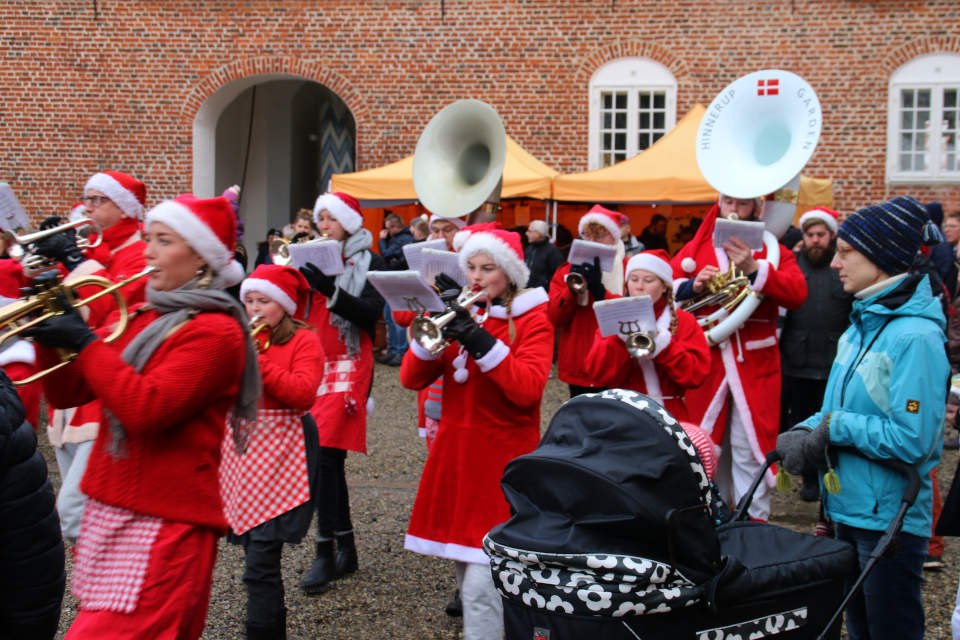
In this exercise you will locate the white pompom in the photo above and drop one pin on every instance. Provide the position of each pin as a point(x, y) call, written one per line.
point(461, 375)
point(689, 265)
point(460, 361)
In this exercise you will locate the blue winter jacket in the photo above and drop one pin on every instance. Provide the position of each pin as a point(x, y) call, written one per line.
point(890, 406)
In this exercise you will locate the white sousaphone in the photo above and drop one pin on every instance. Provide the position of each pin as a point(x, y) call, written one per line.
point(754, 140)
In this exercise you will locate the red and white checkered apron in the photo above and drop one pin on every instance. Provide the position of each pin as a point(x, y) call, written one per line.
point(112, 557)
point(271, 477)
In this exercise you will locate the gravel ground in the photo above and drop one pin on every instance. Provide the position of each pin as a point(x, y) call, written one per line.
point(398, 594)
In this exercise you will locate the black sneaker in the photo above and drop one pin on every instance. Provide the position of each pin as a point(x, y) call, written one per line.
point(395, 360)
point(386, 358)
point(933, 563)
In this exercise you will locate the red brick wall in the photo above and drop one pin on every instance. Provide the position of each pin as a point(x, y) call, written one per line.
point(79, 94)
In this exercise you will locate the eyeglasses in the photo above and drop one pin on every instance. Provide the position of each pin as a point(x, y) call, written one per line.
point(96, 201)
point(843, 251)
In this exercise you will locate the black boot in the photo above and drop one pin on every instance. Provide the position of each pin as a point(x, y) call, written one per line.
point(277, 630)
point(346, 555)
point(322, 572)
point(454, 608)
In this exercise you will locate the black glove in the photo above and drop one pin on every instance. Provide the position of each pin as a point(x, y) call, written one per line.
point(462, 326)
point(816, 449)
point(65, 331)
point(593, 276)
point(449, 288)
point(42, 282)
point(299, 236)
point(319, 281)
point(50, 222)
point(61, 247)
point(790, 446)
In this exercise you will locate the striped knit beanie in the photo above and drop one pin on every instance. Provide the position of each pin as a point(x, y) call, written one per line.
point(888, 234)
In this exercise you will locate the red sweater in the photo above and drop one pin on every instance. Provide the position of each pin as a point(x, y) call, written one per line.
point(577, 324)
point(11, 278)
point(291, 372)
point(173, 414)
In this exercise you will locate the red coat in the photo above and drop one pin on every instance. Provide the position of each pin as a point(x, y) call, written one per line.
point(486, 421)
point(681, 362)
point(578, 326)
point(747, 365)
point(173, 413)
point(291, 372)
point(11, 278)
point(19, 361)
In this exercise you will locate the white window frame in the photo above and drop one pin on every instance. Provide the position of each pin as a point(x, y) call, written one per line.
point(632, 74)
point(935, 71)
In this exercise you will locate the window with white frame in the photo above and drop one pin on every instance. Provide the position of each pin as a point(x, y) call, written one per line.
point(633, 103)
point(924, 120)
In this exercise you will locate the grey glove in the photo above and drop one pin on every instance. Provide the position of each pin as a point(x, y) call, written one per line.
point(791, 446)
point(816, 449)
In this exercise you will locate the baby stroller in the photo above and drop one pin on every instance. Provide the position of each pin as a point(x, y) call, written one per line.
point(613, 536)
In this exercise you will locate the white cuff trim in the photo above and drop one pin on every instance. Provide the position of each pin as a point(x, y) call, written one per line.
point(752, 345)
point(422, 353)
point(85, 268)
point(494, 357)
point(762, 273)
point(662, 341)
point(422, 432)
point(449, 550)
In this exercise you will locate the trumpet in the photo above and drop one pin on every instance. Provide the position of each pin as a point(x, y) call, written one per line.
point(576, 283)
point(22, 246)
point(46, 304)
point(429, 331)
point(256, 328)
point(640, 344)
point(280, 249)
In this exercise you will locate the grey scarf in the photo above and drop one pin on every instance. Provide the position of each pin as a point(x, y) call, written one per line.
point(177, 307)
point(353, 280)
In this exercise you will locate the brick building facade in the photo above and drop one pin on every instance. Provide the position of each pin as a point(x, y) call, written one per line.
point(107, 84)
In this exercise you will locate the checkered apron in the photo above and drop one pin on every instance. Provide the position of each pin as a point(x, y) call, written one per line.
point(271, 477)
point(112, 557)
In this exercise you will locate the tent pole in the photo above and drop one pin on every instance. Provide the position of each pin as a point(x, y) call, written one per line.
point(554, 228)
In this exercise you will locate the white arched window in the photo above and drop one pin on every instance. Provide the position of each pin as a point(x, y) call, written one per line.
point(922, 127)
point(633, 103)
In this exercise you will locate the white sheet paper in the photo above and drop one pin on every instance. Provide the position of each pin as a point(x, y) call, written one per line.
point(582, 251)
point(323, 254)
point(12, 215)
point(434, 262)
point(406, 291)
point(750, 233)
point(624, 316)
point(412, 251)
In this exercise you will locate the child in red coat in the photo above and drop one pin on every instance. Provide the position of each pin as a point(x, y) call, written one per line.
point(267, 491)
point(681, 358)
point(494, 374)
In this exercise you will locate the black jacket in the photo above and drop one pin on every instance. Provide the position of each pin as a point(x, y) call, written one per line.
point(808, 344)
point(543, 259)
point(366, 309)
point(391, 249)
point(32, 576)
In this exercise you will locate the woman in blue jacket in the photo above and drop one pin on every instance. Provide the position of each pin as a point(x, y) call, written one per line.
point(885, 396)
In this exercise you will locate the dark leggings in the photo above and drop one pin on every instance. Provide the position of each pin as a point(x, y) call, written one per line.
point(263, 581)
point(333, 507)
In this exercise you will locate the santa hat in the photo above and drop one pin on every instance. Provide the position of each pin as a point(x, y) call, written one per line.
point(284, 285)
point(609, 219)
point(705, 447)
point(459, 222)
point(77, 212)
point(208, 226)
point(656, 261)
point(125, 191)
point(503, 247)
point(344, 208)
point(757, 202)
point(828, 217)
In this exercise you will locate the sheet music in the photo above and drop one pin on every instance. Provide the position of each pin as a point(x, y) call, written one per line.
point(412, 251)
point(434, 262)
point(406, 291)
point(750, 233)
point(583, 251)
point(324, 254)
point(12, 215)
point(625, 316)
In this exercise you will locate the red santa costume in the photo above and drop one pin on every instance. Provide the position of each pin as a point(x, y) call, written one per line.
point(266, 491)
point(490, 415)
point(680, 361)
point(145, 556)
point(117, 258)
point(742, 389)
point(573, 313)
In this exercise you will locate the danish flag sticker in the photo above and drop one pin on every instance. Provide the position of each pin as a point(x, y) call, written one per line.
point(768, 87)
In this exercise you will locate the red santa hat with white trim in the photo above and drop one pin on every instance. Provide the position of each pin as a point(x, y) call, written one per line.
point(209, 226)
point(656, 261)
point(284, 285)
point(504, 248)
point(125, 191)
point(344, 208)
point(609, 219)
point(459, 222)
point(828, 217)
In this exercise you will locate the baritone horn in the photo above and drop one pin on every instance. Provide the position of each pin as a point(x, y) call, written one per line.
point(46, 304)
point(429, 331)
point(458, 163)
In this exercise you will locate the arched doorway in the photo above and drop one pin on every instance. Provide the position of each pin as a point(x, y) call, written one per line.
point(285, 134)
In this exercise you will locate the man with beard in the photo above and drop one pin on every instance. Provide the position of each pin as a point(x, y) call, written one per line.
point(808, 344)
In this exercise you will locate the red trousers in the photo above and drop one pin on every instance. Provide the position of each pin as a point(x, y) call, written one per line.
point(175, 596)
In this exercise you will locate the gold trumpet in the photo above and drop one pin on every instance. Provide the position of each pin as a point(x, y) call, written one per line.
point(46, 304)
point(256, 328)
point(429, 331)
point(22, 249)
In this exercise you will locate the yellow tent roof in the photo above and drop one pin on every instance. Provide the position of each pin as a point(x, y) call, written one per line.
point(523, 177)
point(666, 172)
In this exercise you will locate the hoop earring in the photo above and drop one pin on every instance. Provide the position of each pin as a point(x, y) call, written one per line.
point(206, 277)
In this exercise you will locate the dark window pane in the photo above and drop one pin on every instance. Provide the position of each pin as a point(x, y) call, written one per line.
point(950, 120)
point(906, 122)
point(659, 101)
point(921, 142)
point(905, 164)
point(906, 98)
point(620, 140)
point(644, 141)
point(906, 142)
point(659, 120)
point(607, 120)
point(923, 98)
point(607, 141)
point(619, 157)
point(608, 101)
point(605, 160)
point(621, 101)
point(923, 119)
point(621, 120)
point(644, 120)
point(657, 136)
point(644, 100)
point(949, 98)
